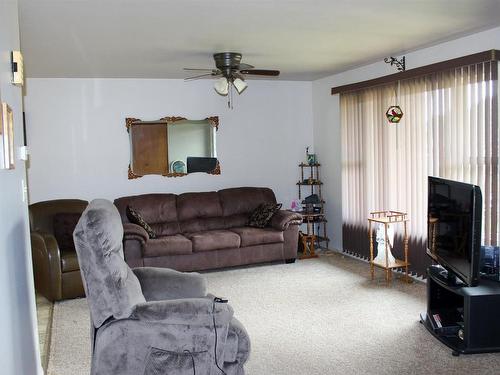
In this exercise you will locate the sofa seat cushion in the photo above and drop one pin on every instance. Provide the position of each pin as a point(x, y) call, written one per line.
point(168, 245)
point(69, 261)
point(214, 240)
point(258, 236)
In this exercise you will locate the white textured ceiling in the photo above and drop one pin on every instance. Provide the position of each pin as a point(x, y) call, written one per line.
point(305, 39)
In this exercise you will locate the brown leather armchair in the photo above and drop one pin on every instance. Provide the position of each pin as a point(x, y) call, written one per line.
point(55, 263)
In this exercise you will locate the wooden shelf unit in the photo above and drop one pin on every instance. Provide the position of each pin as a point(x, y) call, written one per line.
point(386, 218)
point(314, 220)
point(309, 183)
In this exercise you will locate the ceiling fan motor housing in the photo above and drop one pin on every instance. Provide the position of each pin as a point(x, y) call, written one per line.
point(226, 62)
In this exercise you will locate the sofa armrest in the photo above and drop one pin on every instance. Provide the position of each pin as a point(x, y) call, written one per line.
point(47, 265)
point(189, 311)
point(134, 232)
point(283, 219)
point(166, 284)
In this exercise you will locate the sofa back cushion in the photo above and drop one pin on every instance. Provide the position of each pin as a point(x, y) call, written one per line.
point(199, 211)
point(170, 214)
point(158, 210)
point(239, 203)
point(111, 287)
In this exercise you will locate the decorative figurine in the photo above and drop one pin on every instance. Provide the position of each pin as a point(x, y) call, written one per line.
point(380, 258)
point(296, 205)
point(311, 158)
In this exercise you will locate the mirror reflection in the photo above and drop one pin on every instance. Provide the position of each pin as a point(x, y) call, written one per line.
point(191, 146)
point(173, 146)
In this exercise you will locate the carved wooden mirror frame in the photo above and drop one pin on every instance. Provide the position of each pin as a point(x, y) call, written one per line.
point(130, 122)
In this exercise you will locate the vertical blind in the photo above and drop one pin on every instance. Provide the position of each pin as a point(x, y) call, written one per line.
point(449, 129)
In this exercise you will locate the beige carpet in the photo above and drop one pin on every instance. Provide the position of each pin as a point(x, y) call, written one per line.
point(321, 316)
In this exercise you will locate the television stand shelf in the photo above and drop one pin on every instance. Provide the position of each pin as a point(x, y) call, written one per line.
point(468, 316)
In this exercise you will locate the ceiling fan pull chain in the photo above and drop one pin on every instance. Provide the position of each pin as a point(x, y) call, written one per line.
point(231, 88)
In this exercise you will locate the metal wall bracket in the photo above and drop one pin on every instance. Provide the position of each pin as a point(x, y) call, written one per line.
point(400, 64)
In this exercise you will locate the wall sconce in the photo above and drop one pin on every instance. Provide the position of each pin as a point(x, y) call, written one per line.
point(17, 68)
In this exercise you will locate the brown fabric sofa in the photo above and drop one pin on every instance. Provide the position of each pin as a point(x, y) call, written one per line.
point(199, 231)
point(55, 263)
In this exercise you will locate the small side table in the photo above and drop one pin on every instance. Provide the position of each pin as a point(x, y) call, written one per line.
point(386, 218)
point(308, 241)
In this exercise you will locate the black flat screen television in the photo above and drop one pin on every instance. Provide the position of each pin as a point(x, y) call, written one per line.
point(200, 164)
point(454, 227)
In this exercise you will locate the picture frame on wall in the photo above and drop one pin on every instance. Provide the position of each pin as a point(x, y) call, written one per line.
point(6, 137)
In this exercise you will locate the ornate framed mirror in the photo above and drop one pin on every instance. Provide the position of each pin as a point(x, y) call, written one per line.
point(173, 146)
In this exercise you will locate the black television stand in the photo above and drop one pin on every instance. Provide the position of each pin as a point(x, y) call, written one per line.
point(466, 319)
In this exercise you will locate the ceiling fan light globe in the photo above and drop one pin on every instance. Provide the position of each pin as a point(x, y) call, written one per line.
point(221, 86)
point(240, 85)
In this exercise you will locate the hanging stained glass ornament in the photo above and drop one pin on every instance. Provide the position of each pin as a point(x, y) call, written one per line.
point(394, 114)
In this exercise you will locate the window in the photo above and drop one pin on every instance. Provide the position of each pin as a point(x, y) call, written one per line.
point(449, 129)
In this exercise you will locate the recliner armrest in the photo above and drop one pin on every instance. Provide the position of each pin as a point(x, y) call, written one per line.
point(190, 311)
point(47, 264)
point(282, 219)
point(241, 351)
point(166, 284)
point(134, 231)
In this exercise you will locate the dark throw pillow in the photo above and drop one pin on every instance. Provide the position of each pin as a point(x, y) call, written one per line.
point(136, 218)
point(263, 214)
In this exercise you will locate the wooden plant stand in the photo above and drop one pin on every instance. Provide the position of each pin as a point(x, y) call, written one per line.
point(387, 218)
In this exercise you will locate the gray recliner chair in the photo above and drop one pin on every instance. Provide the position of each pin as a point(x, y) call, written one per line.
point(151, 320)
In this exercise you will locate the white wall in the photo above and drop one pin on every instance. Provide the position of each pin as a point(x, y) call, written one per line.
point(19, 342)
point(80, 148)
point(326, 112)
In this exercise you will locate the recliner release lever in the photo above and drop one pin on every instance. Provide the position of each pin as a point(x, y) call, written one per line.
point(220, 300)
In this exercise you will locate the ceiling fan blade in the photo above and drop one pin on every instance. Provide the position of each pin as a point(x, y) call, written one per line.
point(245, 66)
point(261, 72)
point(202, 69)
point(200, 76)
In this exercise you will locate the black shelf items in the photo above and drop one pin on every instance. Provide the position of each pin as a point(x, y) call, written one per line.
point(313, 204)
point(466, 319)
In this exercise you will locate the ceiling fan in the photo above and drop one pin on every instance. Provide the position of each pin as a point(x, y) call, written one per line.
point(231, 72)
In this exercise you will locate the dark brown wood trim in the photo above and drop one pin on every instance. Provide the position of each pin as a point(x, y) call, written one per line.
point(476, 58)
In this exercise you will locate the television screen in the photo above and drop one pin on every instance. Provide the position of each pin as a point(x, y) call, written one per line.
point(200, 164)
point(454, 227)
